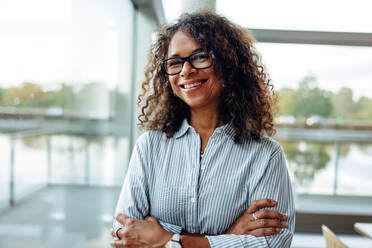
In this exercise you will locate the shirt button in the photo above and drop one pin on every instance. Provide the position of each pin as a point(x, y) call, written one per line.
point(193, 200)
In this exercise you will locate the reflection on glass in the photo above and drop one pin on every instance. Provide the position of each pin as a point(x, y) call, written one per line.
point(354, 176)
point(314, 167)
point(4, 170)
point(89, 160)
point(67, 159)
point(30, 165)
point(306, 159)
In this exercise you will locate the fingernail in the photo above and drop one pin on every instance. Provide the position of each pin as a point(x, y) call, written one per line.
point(273, 201)
point(277, 229)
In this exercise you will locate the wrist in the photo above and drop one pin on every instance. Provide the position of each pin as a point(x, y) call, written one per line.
point(194, 241)
point(166, 237)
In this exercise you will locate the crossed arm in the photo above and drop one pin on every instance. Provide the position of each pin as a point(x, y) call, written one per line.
point(272, 228)
point(149, 233)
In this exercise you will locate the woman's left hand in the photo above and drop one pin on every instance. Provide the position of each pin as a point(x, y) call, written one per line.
point(140, 233)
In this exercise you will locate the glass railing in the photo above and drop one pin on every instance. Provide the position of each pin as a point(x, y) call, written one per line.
point(31, 160)
point(330, 162)
point(330, 168)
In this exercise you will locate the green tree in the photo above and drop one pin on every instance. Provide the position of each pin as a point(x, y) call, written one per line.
point(285, 101)
point(306, 101)
point(343, 103)
point(307, 161)
point(363, 109)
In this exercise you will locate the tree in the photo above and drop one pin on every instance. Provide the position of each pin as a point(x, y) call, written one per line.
point(363, 109)
point(308, 100)
point(343, 103)
point(307, 161)
point(285, 101)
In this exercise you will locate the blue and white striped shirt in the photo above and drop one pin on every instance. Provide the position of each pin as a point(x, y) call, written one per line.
point(167, 180)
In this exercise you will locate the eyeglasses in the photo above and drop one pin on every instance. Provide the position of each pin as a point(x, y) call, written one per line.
point(198, 60)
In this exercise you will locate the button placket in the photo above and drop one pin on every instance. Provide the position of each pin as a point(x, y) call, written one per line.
point(194, 183)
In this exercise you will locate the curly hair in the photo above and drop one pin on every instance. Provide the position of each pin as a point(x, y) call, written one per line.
point(247, 99)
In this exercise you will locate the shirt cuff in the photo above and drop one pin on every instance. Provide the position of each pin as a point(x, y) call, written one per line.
point(227, 240)
point(170, 227)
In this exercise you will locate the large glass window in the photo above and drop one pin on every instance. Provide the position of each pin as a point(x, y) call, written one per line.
point(66, 67)
point(323, 89)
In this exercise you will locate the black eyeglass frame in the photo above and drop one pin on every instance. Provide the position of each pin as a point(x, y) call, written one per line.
point(187, 58)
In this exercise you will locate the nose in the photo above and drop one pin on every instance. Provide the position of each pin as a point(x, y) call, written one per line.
point(187, 69)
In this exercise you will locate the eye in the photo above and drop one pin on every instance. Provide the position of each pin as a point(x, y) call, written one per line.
point(174, 62)
point(200, 57)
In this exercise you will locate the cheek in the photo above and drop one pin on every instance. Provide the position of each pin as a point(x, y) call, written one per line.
point(173, 82)
point(216, 84)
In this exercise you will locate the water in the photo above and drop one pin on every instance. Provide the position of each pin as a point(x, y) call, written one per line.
point(313, 166)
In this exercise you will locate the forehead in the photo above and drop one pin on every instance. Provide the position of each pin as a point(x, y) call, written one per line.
point(182, 44)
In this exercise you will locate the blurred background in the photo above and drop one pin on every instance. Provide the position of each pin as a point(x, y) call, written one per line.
point(70, 73)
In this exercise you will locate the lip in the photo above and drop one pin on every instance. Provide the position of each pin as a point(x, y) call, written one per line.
point(191, 82)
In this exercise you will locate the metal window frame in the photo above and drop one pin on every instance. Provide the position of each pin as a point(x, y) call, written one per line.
point(312, 37)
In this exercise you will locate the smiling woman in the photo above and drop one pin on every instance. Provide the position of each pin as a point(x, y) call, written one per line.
point(205, 174)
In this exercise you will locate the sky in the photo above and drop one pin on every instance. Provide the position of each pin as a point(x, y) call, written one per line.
point(50, 41)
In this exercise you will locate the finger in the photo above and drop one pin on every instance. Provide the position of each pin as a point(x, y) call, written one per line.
point(117, 244)
point(268, 223)
point(270, 214)
point(124, 220)
point(127, 233)
point(261, 203)
point(127, 243)
point(151, 219)
point(121, 243)
point(264, 231)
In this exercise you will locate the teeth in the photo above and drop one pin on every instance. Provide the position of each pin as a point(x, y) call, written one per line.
point(188, 86)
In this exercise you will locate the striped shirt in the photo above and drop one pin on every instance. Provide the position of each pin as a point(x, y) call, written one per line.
point(167, 179)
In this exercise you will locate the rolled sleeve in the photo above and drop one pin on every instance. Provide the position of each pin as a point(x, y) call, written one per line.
point(227, 240)
point(170, 227)
point(283, 239)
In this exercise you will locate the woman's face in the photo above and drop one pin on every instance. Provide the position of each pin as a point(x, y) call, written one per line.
point(207, 86)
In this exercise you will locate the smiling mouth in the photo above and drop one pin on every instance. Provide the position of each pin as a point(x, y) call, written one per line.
point(189, 86)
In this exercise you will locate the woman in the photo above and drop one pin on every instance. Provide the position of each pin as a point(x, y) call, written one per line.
point(206, 169)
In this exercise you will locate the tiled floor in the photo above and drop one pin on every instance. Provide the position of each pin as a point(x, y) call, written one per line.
point(81, 217)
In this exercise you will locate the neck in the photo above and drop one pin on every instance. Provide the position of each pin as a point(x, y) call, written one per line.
point(204, 120)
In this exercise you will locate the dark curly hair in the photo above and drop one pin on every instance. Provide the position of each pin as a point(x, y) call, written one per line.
point(246, 100)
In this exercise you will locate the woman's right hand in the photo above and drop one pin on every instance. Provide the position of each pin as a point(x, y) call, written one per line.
point(268, 222)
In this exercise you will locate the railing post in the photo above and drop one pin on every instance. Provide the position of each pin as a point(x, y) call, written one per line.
point(12, 172)
point(87, 159)
point(335, 182)
point(49, 160)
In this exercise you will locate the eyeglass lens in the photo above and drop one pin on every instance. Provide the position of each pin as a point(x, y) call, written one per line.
point(199, 60)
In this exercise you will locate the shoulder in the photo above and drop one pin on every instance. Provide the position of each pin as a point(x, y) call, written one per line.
point(272, 145)
point(265, 145)
point(150, 138)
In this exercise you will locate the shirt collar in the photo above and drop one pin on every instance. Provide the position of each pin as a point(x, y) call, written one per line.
point(226, 129)
point(183, 129)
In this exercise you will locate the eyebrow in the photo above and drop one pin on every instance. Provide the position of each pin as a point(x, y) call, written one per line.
point(176, 55)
